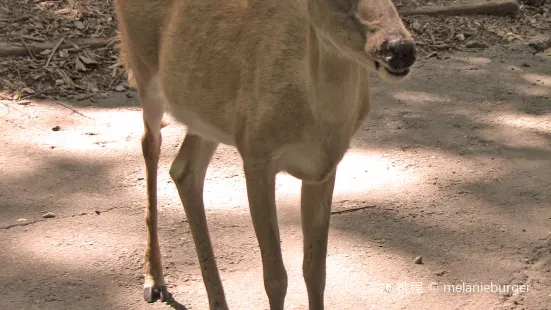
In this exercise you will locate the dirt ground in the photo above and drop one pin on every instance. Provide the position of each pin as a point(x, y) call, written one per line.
point(453, 165)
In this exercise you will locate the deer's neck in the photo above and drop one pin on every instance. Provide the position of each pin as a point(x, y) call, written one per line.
point(334, 81)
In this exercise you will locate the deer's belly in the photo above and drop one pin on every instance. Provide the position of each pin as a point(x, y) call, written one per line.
point(196, 124)
point(201, 117)
point(309, 162)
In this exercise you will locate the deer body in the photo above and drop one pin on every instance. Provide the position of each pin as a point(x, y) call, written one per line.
point(285, 82)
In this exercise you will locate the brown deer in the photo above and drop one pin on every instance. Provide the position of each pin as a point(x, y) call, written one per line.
point(285, 82)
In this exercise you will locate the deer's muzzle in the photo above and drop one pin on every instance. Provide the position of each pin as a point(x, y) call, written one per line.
point(397, 54)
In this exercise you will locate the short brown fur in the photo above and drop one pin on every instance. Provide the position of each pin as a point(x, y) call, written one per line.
point(285, 82)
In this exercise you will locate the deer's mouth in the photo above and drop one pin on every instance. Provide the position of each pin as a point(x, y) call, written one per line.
point(396, 73)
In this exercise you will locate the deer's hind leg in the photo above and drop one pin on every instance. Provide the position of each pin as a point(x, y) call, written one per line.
point(188, 172)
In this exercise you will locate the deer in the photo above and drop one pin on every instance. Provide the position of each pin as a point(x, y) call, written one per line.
point(285, 82)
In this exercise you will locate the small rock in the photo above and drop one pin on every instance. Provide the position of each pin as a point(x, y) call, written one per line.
point(416, 25)
point(98, 212)
point(79, 25)
point(526, 261)
point(460, 37)
point(120, 88)
point(56, 128)
point(418, 260)
point(476, 44)
point(48, 215)
point(440, 273)
point(506, 294)
point(21, 220)
point(525, 65)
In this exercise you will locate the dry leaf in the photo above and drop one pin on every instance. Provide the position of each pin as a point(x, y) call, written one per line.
point(87, 60)
point(64, 11)
point(79, 65)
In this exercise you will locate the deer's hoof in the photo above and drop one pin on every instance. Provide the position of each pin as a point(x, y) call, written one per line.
point(154, 293)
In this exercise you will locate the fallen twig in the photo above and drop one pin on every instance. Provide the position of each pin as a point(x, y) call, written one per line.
point(33, 38)
point(352, 210)
point(74, 110)
point(489, 7)
point(14, 20)
point(53, 52)
point(26, 49)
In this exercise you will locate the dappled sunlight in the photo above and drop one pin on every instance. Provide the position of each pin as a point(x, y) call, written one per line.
point(535, 90)
point(518, 130)
point(468, 65)
point(419, 97)
point(539, 123)
point(78, 134)
point(19, 166)
point(479, 60)
point(360, 172)
point(78, 249)
point(538, 79)
point(514, 138)
point(474, 60)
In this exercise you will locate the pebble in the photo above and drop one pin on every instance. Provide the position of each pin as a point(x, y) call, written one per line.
point(460, 37)
point(79, 25)
point(56, 128)
point(120, 88)
point(476, 44)
point(418, 260)
point(417, 26)
point(48, 215)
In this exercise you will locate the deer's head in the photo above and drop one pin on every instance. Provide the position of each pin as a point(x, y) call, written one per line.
point(369, 31)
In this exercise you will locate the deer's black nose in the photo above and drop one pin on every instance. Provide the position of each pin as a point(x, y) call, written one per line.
point(398, 54)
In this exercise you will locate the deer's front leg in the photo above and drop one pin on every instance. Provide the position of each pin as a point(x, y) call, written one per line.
point(260, 180)
point(154, 283)
point(316, 201)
